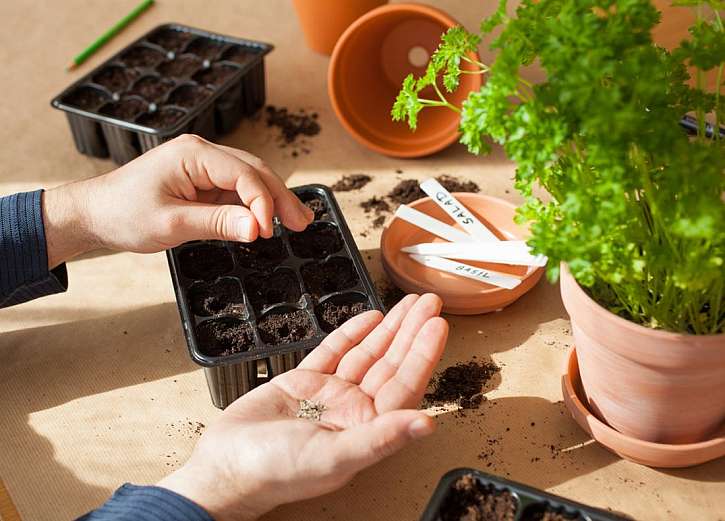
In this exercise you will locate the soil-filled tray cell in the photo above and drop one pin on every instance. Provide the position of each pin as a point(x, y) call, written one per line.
point(238, 54)
point(286, 326)
point(262, 254)
point(166, 117)
point(141, 56)
point(180, 67)
point(115, 78)
point(280, 286)
point(205, 261)
point(205, 48)
point(334, 274)
point(215, 76)
point(471, 500)
point(170, 39)
point(87, 98)
point(217, 297)
point(318, 240)
point(152, 88)
point(316, 204)
point(126, 109)
point(224, 336)
point(544, 512)
point(335, 311)
point(188, 96)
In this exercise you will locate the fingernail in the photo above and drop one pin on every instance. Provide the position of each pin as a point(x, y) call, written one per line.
point(421, 427)
point(242, 225)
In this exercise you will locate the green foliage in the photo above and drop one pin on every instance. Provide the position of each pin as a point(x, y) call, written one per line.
point(636, 207)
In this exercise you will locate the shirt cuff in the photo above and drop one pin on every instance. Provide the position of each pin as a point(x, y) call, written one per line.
point(24, 273)
point(136, 503)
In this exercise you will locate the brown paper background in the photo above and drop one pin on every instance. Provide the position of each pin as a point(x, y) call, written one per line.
point(96, 387)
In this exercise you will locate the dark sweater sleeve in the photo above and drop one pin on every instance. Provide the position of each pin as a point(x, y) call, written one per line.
point(24, 273)
point(134, 503)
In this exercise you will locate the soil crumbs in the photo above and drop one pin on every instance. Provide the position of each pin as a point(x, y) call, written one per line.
point(409, 190)
point(471, 501)
point(292, 125)
point(351, 182)
point(461, 384)
point(376, 204)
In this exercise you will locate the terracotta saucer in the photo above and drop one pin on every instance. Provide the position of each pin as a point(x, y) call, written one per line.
point(643, 452)
point(461, 296)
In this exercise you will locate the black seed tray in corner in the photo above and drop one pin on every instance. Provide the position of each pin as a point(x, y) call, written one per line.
point(173, 80)
point(503, 500)
point(251, 311)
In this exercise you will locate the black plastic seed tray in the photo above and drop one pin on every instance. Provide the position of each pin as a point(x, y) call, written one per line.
point(503, 500)
point(251, 311)
point(174, 79)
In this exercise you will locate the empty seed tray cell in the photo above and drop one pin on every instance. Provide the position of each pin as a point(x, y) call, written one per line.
point(173, 80)
point(470, 495)
point(251, 311)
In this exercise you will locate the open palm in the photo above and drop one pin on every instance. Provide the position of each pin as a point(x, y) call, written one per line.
point(369, 374)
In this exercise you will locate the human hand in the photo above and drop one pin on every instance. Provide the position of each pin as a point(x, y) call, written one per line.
point(185, 189)
point(370, 374)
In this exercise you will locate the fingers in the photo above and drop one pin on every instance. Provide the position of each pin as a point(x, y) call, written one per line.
point(405, 389)
point(200, 221)
point(427, 306)
point(325, 357)
point(357, 361)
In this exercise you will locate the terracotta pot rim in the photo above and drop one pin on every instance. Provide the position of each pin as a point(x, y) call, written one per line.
point(407, 153)
point(618, 321)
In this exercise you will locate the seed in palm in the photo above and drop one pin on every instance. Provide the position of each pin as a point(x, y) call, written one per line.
point(310, 410)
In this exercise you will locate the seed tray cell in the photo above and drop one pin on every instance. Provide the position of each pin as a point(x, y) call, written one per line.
point(469, 494)
point(251, 311)
point(189, 80)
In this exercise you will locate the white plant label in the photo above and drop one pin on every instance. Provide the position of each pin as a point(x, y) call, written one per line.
point(503, 252)
point(455, 209)
point(432, 225)
point(465, 270)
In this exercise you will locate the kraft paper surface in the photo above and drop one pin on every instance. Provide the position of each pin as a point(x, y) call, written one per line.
point(96, 385)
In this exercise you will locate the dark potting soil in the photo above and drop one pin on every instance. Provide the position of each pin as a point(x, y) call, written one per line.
point(152, 88)
point(262, 254)
point(205, 262)
point(87, 98)
point(318, 240)
point(292, 125)
point(126, 109)
point(461, 384)
point(224, 337)
point(238, 55)
point(205, 47)
point(217, 297)
point(389, 293)
point(351, 182)
point(181, 67)
point(285, 328)
point(170, 39)
point(142, 57)
point(334, 314)
point(114, 78)
point(336, 274)
point(215, 76)
point(470, 501)
point(376, 204)
point(378, 221)
point(189, 96)
point(542, 514)
point(278, 287)
point(408, 190)
point(317, 205)
point(164, 118)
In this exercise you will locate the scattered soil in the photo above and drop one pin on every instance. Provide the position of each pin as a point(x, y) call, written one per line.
point(217, 297)
point(541, 513)
point(285, 328)
point(181, 67)
point(471, 501)
point(316, 204)
point(215, 76)
point(292, 125)
point(336, 274)
point(238, 54)
point(87, 98)
point(189, 96)
point(126, 109)
point(224, 337)
point(461, 384)
point(115, 78)
point(142, 57)
point(378, 222)
point(389, 293)
point(262, 254)
point(333, 312)
point(310, 410)
point(205, 262)
point(206, 48)
point(351, 182)
point(376, 204)
point(164, 118)
point(170, 39)
point(152, 88)
point(318, 240)
point(278, 287)
point(408, 190)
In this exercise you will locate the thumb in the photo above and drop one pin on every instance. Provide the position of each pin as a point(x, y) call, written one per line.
point(227, 222)
point(368, 443)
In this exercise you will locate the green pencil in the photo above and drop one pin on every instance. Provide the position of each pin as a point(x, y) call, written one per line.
point(113, 31)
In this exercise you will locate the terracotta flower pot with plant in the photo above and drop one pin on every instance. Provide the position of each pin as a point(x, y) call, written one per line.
point(634, 208)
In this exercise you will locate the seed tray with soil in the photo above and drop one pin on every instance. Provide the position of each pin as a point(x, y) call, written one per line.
point(471, 495)
point(225, 76)
point(279, 297)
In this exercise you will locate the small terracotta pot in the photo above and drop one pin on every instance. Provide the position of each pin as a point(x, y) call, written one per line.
point(652, 385)
point(323, 21)
point(367, 69)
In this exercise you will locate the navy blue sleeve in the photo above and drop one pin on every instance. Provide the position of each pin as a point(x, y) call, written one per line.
point(24, 273)
point(134, 503)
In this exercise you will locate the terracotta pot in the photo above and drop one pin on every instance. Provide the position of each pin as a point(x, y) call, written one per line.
point(367, 69)
point(323, 21)
point(651, 385)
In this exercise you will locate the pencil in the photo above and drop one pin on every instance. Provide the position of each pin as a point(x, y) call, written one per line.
point(113, 31)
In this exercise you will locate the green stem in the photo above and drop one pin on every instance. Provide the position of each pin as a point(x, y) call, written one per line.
point(476, 62)
point(434, 103)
